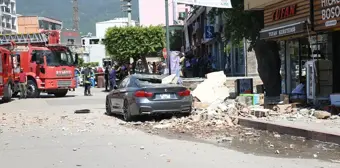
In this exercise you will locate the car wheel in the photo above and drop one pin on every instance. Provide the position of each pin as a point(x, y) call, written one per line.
point(127, 114)
point(108, 106)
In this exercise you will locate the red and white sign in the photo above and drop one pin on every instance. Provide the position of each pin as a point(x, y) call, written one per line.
point(165, 54)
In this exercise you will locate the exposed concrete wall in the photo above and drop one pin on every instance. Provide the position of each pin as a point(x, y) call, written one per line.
point(251, 64)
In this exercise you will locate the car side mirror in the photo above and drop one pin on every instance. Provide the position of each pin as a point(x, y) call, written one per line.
point(115, 87)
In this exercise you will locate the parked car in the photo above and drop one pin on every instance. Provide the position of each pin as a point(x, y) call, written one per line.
point(141, 94)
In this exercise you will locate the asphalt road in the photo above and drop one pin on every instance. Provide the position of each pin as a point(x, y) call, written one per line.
point(39, 133)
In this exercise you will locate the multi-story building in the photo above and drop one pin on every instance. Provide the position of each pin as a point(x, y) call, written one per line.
point(93, 48)
point(35, 24)
point(152, 12)
point(101, 27)
point(8, 17)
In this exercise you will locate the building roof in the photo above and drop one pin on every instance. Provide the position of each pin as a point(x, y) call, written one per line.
point(43, 17)
point(116, 20)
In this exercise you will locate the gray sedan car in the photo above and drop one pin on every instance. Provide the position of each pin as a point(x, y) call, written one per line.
point(145, 94)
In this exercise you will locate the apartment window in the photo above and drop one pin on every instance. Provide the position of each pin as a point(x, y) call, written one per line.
point(94, 41)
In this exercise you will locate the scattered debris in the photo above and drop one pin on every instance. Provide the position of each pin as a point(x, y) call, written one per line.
point(82, 111)
point(142, 148)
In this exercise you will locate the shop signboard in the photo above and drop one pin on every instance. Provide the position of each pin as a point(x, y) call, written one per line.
point(284, 12)
point(285, 18)
point(208, 3)
point(326, 14)
point(282, 31)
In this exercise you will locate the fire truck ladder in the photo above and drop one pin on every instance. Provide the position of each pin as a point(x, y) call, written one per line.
point(6, 39)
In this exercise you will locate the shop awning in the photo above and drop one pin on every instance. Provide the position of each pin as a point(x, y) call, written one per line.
point(283, 30)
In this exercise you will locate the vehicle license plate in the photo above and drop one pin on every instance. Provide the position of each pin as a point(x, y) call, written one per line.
point(165, 96)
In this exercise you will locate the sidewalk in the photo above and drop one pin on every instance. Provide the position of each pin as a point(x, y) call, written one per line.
point(322, 130)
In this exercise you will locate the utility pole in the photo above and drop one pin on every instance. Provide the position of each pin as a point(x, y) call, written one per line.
point(167, 35)
point(174, 11)
point(128, 5)
point(75, 15)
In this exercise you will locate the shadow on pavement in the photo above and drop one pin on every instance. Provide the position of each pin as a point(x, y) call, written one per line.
point(52, 96)
point(145, 118)
point(4, 102)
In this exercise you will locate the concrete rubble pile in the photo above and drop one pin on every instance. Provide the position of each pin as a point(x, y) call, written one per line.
point(213, 108)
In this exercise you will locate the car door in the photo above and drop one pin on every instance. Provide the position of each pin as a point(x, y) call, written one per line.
point(122, 90)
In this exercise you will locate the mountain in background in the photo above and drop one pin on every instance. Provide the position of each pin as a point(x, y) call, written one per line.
point(90, 11)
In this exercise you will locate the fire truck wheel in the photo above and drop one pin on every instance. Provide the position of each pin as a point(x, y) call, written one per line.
point(61, 93)
point(8, 93)
point(32, 89)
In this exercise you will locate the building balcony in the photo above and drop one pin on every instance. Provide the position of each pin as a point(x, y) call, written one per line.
point(258, 4)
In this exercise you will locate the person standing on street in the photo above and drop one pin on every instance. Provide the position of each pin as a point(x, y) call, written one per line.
point(23, 84)
point(87, 82)
point(106, 75)
point(113, 74)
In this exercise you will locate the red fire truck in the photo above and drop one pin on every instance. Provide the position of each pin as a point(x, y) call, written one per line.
point(6, 74)
point(49, 65)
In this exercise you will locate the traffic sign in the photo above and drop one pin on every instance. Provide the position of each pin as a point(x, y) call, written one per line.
point(165, 54)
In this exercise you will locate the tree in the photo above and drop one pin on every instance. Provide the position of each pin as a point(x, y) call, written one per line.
point(123, 43)
point(81, 62)
point(240, 24)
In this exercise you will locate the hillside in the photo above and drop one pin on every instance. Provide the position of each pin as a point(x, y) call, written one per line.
point(90, 12)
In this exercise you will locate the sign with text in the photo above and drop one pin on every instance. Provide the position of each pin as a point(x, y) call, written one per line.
point(326, 14)
point(282, 31)
point(208, 3)
point(285, 12)
point(209, 32)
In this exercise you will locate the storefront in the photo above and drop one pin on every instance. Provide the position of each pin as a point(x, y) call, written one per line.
point(326, 17)
point(287, 22)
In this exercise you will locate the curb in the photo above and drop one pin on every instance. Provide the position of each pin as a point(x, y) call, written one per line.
point(290, 130)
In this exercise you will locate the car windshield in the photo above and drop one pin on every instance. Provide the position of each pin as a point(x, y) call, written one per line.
point(59, 57)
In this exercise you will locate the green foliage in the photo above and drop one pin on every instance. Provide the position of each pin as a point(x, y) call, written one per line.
point(90, 64)
point(80, 62)
point(123, 43)
point(240, 23)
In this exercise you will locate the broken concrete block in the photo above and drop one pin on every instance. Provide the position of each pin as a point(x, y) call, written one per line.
point(322, 114)
point(245, 100)
point(259, 112)
point(212, 88)
point(168, 79)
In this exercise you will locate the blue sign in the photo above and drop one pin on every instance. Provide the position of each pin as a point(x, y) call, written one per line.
point(209, 32)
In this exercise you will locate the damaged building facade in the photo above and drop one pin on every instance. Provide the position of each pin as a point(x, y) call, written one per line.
point(204, 38)
point(307, 32)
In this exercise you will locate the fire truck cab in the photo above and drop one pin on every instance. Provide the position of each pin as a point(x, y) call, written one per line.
point(49, 66)
point(6, 74)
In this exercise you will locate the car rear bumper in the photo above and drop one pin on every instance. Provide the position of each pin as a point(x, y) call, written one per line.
point(160, 107)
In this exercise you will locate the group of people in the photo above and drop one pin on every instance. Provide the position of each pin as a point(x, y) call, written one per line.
point(114, 73)
point(198, 65)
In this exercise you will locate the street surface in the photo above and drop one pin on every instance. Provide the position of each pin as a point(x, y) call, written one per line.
point(45, 132)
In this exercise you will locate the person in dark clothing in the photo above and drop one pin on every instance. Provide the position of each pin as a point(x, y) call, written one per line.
point(106, 76)
point(23, 84)
point(154, 68)
point(113, 77)
point(87, 82)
